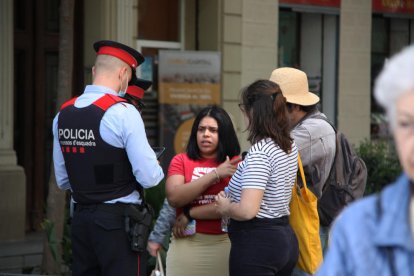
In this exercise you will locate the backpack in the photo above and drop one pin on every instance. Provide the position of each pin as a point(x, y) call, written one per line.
point(346, 181)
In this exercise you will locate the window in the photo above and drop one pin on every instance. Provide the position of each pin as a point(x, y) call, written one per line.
point(288, 39)
point(158, 20)
point(389, 36)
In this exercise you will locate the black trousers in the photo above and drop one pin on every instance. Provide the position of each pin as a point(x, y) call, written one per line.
point(100, 244)
point(262, 247)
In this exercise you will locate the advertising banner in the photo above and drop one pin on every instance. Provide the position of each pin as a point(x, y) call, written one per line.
point(378, 6)
point(393, 6)
point(323, 3)
point(188, 82)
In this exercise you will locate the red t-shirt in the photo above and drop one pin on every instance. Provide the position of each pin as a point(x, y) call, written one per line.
point(192, 170)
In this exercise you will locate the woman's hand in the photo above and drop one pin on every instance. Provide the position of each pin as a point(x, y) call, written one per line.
point(153, 248)
point(228, 167)
point(180, 224)
point(223, 204)
point(247, 208)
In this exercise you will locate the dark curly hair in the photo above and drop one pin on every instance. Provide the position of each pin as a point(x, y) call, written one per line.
point(228, 144)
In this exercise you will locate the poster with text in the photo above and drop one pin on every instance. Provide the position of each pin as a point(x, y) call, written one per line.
point(188, 81)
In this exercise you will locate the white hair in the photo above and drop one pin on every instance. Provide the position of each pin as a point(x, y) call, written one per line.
point(395, 80)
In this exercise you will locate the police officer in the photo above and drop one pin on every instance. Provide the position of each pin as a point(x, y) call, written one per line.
point(135, 92)
point(101, 153)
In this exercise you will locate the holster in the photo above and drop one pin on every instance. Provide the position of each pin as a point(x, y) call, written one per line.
point(138, 220)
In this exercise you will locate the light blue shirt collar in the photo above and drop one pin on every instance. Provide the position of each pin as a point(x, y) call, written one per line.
point(99, 89)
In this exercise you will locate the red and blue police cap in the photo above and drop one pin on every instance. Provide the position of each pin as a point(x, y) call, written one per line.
point(127, 54)
point(137, 87)
point(144, 84)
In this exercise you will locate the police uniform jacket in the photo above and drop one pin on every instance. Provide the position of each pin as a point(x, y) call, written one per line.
point(120, 134)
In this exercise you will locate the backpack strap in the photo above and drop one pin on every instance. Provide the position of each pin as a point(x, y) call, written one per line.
point(388, 249)
point(319, 116)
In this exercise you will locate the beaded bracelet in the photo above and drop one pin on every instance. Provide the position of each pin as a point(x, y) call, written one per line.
point(217, 175)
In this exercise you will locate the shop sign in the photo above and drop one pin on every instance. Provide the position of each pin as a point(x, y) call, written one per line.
point(323, 3)
point(393, 6)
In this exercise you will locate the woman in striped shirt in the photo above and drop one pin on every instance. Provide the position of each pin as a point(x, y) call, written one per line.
point(262, 241)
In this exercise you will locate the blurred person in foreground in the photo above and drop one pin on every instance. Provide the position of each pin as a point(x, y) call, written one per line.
point(375, 235)
point(262, 240)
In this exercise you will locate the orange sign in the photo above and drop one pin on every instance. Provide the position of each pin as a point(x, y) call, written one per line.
point(182, 135)
point(189, 93)
point(188, 81)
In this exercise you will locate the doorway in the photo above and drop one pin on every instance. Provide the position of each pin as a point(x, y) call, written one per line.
point(309, 41)
point(36, 56)
point(149, 71)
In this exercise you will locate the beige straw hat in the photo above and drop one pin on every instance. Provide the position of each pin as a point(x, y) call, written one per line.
point(294, 86)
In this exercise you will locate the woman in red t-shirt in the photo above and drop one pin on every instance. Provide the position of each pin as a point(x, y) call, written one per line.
point(194, 179)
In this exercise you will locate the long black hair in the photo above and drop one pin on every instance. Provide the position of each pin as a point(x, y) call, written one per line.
point(265, 106)
point(228, 144)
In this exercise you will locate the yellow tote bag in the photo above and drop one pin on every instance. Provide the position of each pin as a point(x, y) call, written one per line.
point(304, 220)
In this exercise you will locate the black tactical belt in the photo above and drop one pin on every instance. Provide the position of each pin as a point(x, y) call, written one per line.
point(113, 208)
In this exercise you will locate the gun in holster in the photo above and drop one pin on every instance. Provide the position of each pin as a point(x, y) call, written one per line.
point(138, 219)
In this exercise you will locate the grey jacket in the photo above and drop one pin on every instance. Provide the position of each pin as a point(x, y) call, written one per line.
point(164, 223)
point(315, 139)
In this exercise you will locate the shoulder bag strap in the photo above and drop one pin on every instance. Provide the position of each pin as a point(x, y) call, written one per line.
point(302, 173)
point(160, 265)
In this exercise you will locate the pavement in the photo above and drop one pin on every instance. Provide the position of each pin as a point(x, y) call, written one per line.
point(21, 257)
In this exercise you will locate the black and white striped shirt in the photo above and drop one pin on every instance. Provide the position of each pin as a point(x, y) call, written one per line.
point(269, 168)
